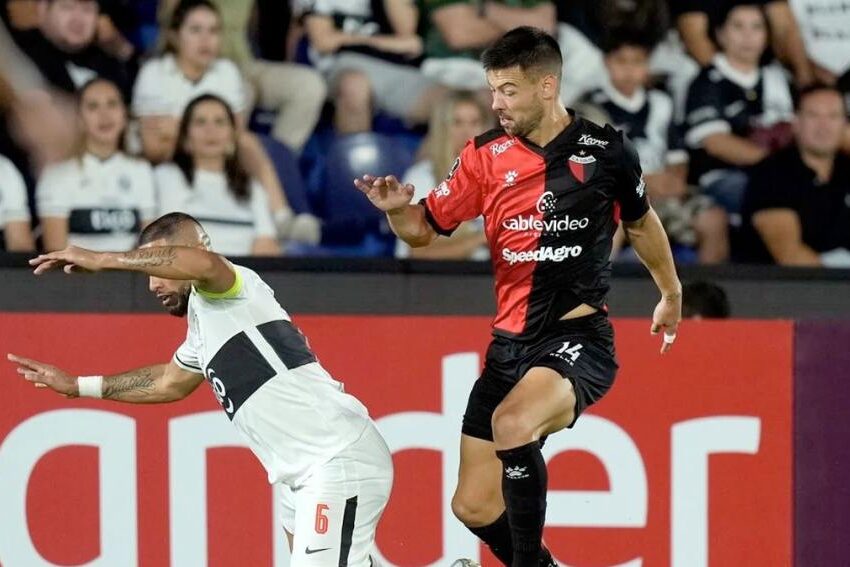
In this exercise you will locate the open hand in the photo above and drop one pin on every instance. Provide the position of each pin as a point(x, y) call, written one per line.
point(386, 193)
point(71, 259)
point(46, 376)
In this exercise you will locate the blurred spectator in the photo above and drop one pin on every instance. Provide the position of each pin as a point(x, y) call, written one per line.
point(275, 24)
point(117, 20)
point(457, 31)
point(101, 198)
point(35, 126)
point(825, 27)
point(191, 67)
point(115, 16)
point(456, 119)
point(798, 200)
point(295, 92)
point(207, 181)
point(704, 300)
point(370, 60)
point(586, 26)
point(15, 233)
point(595, 18)
point(696, 19)
point(646, 116)
point(20, 15)
point(737, 111)
point(64, 47)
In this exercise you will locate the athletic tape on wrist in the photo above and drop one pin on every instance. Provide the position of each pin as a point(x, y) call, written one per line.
point(90, 386)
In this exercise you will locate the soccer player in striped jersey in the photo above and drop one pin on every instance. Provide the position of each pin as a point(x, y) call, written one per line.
point(311, 436)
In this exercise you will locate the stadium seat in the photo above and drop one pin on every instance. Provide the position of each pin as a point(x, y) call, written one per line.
point(352, 226)
point(286, 165)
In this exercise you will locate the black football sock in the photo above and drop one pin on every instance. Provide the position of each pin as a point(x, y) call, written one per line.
point(497, 536)
point(524, 482)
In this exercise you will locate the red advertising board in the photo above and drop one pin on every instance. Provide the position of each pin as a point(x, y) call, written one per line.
point(686, 463)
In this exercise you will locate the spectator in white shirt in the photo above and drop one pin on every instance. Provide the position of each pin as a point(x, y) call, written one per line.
point(208, 182)
point(458, 117)
point(295, 92)
point(15, 233)
point(191, 67)
point(101, 198)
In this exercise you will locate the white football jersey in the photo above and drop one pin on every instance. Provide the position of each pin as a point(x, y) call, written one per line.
point(291, 412)
point(105, 201)
point(161, 89)
point(231, 224)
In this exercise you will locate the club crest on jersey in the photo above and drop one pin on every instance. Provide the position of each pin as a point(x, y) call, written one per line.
point(582, 166)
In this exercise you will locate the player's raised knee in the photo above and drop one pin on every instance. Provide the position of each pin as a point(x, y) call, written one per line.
point(512, 427)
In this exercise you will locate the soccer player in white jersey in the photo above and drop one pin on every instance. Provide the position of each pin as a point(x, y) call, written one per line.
point(312, 437)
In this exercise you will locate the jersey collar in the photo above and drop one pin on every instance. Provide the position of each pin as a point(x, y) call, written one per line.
point(743, 80)
point(563, 134)
point(631, 104)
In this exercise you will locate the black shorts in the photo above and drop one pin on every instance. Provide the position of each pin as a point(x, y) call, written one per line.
point(581, 350)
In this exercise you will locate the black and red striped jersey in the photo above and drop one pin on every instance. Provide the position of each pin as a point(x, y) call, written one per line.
point(550, 215)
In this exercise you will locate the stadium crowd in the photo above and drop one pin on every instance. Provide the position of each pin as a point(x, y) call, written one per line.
point(255, 115)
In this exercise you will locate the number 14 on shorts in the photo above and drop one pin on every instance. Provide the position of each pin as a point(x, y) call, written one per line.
point(568, 351)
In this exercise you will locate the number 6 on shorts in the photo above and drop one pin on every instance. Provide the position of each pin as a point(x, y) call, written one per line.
point(321, 519)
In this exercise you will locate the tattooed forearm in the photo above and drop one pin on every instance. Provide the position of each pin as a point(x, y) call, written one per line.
point(149, 257)
point(130, 386)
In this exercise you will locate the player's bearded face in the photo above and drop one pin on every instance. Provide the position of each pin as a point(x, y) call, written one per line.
point(174, 296)
point(527, 119)
point(517, 101)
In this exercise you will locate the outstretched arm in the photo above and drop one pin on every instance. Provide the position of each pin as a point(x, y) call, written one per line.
point(149, 385)
point(407, 221)
point(649, 240)
point(211, 271)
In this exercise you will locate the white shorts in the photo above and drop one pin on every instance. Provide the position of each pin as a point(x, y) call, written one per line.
point(335, 513)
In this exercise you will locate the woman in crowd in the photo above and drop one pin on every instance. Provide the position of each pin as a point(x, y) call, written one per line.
point(192, 66)
point(101, 198)
point(207, 181)
point(458, 117)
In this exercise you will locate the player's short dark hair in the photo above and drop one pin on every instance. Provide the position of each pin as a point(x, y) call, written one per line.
point(705, 299)
point(166, 227)
point(815, 88)
point(627, 36)
point(531, 49)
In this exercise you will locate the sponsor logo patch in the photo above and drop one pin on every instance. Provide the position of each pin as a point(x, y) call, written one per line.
point(542, 254)
point(500, 148)
point(588, 140)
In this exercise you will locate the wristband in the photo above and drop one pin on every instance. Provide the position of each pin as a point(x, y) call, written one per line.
point(90, 386)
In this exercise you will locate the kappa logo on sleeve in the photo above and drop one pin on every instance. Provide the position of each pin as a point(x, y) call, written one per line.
point(453, 169)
